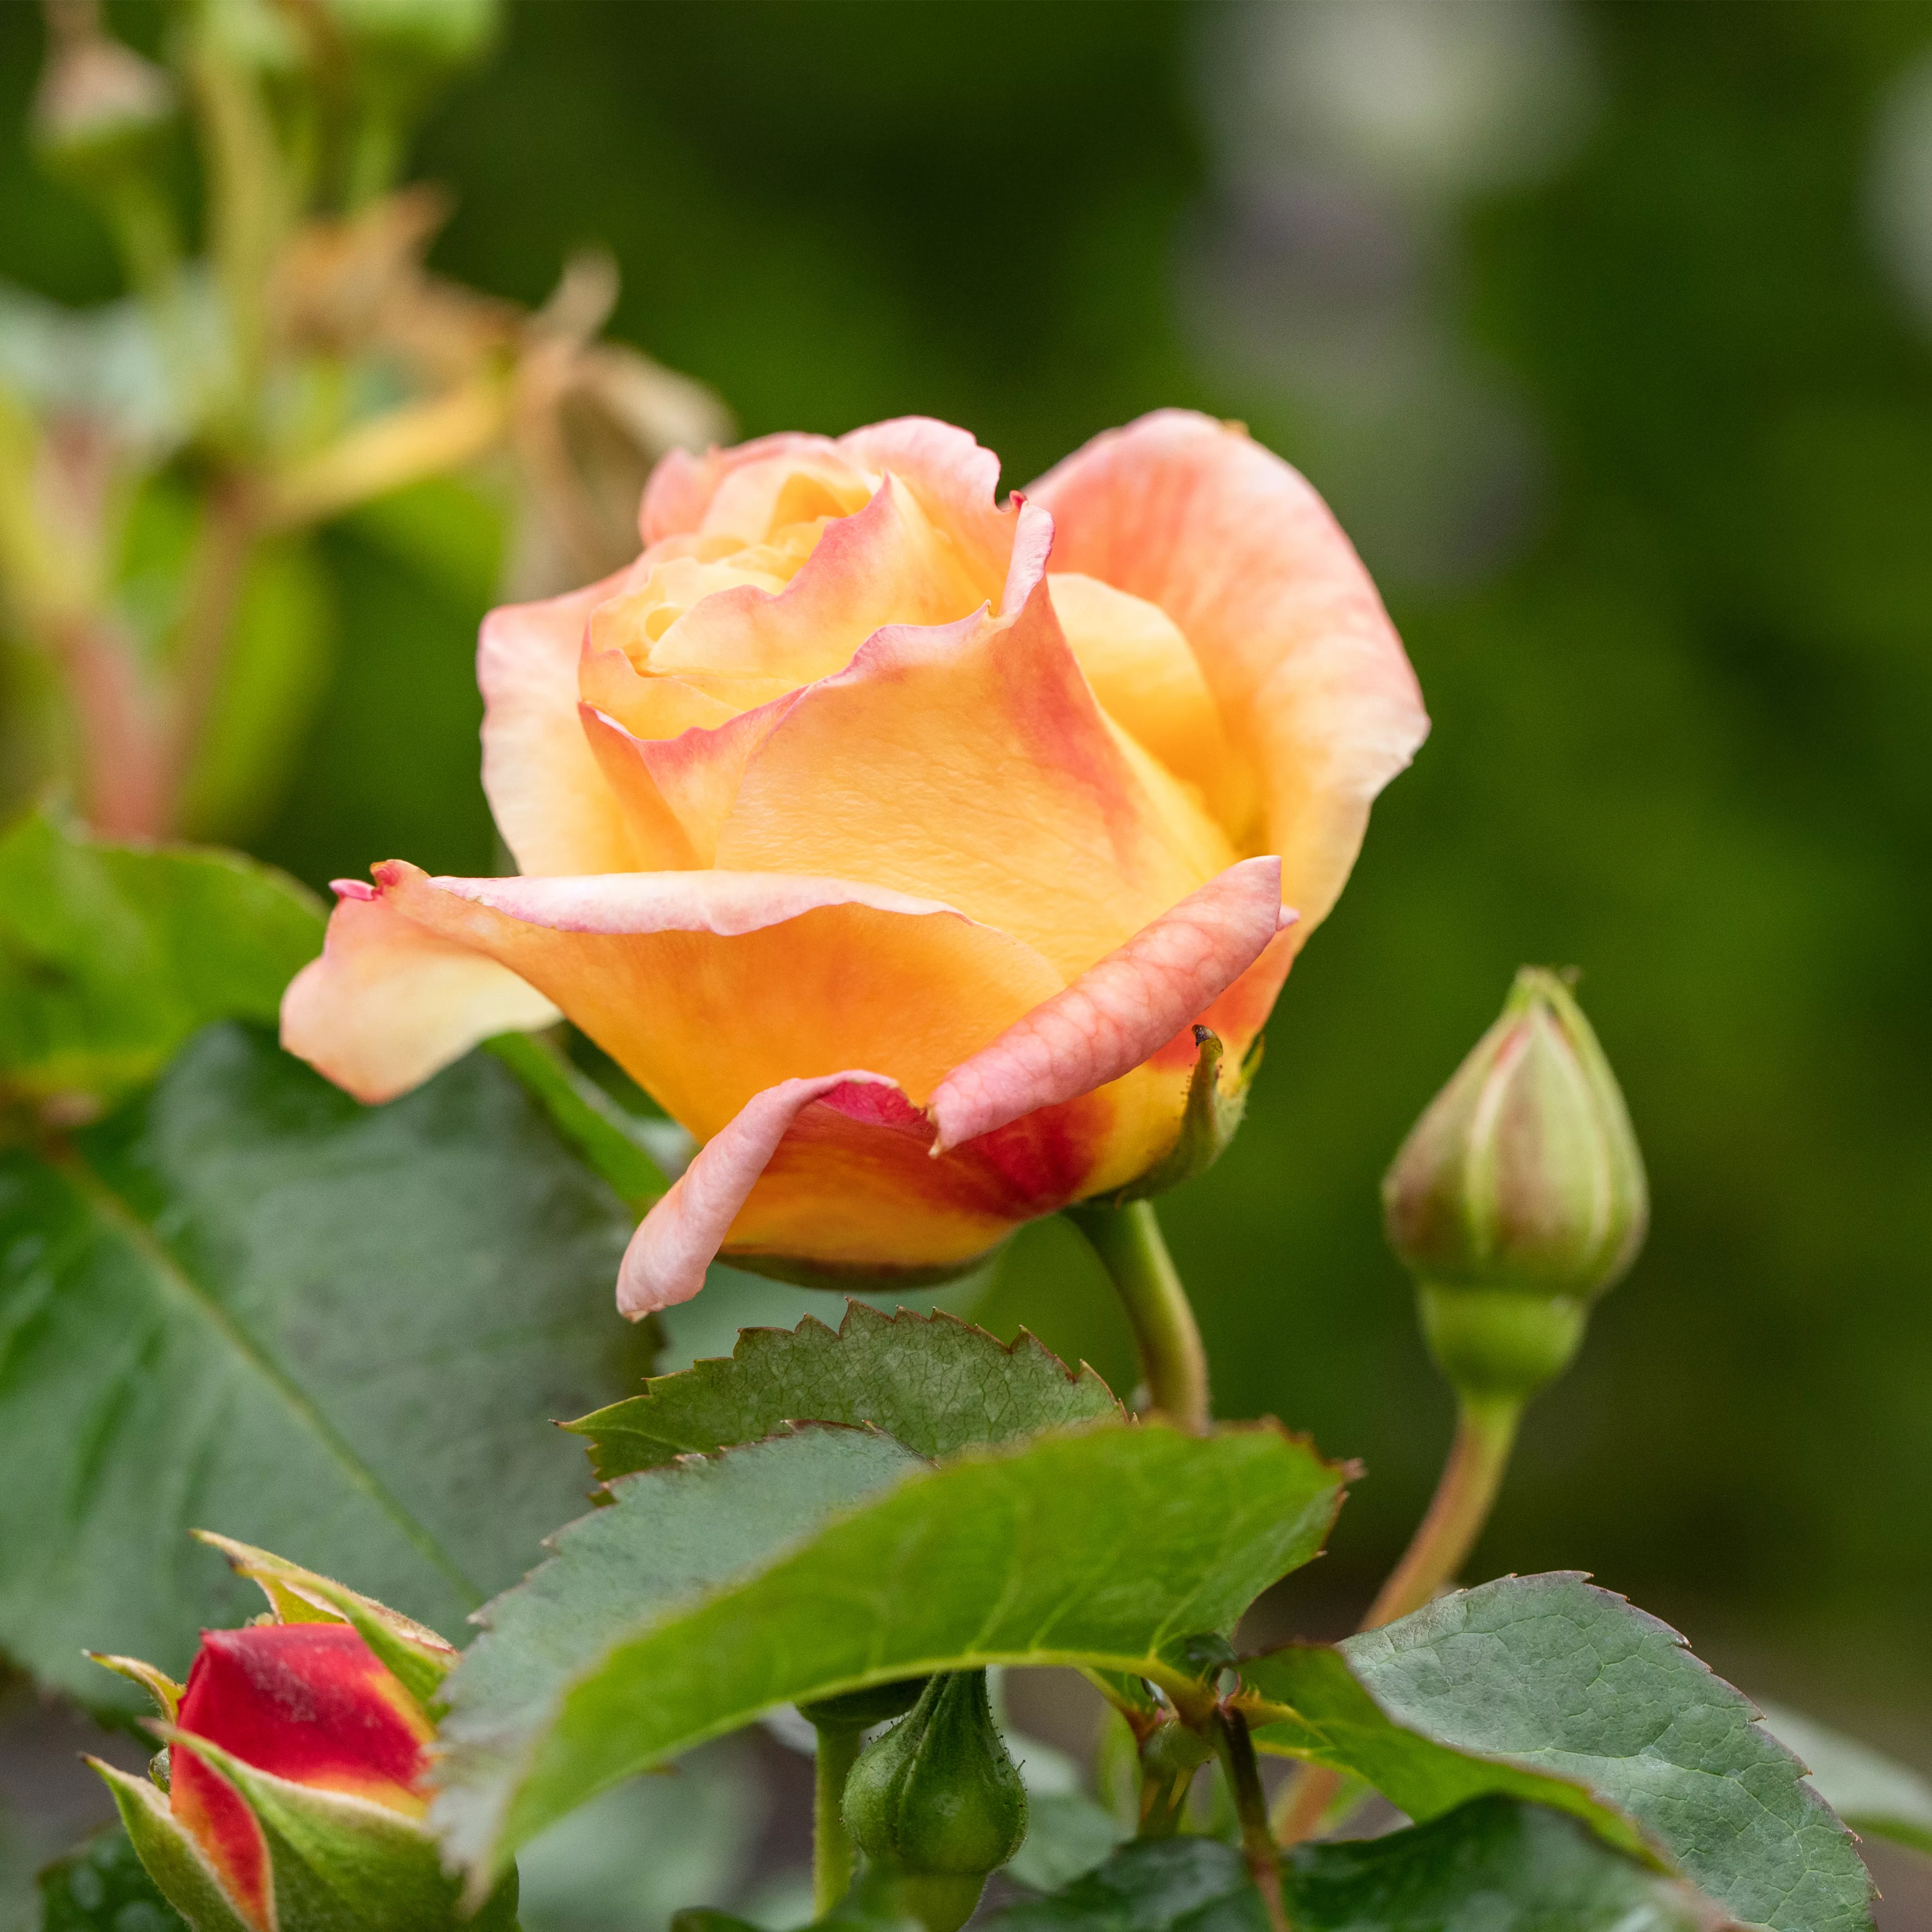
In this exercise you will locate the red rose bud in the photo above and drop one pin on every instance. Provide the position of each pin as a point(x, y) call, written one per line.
point(307, 1703)
point(298, 1778)
point(1520, 1196)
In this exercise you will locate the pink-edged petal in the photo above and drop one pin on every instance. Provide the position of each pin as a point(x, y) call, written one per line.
point(972, 761)
point(389, 1004)
point(1240, 552)
point(684, 487)
point(1121, 1012)
point(707, 987)
point(551, 802)
point(676, 793)
point(890, 562)
point(956, 479)
point(676, 1241)
point(725, 904)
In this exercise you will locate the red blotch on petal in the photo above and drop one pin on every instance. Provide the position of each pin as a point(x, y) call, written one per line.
point(311, 1703)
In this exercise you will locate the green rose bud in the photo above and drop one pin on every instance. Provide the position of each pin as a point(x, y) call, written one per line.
point(1520, 1196)
point(936, 1804)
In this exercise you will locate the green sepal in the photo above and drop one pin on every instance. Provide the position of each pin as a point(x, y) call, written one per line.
point(1214, 1110)
point(173, 1861)
point(166, 1694)
point(339, 1861)
point(413, 1654)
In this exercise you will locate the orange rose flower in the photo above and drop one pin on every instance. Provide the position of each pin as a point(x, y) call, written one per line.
point(893, 837)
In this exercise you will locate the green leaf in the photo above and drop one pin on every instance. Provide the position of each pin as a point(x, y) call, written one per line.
point(248, 1302)
point(111, 955)
point(1535, 1677)
point(934, 1383)
point(1495, 1865)
point(103, 1887)
point(1094, 1546)
point(1874, 1794)
point(586, 1117)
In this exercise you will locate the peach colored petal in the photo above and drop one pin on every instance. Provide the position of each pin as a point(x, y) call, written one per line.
point(556, 813)
point(1121, 1012)
point(889, 563)
point(677, 792)
point(955, 479)
point(1237, 549)
point(662, 707)
point(1150, 684)
point(837, 1171)
point(676, 1242)
point(971, 761)
point(707, 986)
point(682, 486)
point(389, 1004)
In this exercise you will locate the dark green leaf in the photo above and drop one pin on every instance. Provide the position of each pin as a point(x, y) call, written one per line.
point(934, 1383)
point(1551, 1677)
point(1495, 1865)
point(103, 1887)
point(247, 1302)
point(1874, 1794)
point(1097, 1547)
point(111, 955)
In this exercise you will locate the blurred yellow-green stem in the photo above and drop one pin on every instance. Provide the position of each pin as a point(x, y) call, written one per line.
point(1173, 1362)
point(1485, 1429)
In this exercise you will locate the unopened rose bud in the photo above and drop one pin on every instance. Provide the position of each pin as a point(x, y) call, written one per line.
point(1520, 1195)
point(936, 1805)
point(296, 1779)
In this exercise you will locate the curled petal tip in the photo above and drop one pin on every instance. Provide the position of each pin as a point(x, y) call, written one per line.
point(679, 1239)
point(1119, 1012)
point(352, 888)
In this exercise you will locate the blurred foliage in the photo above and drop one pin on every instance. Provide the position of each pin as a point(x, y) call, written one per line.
point(1682, 683)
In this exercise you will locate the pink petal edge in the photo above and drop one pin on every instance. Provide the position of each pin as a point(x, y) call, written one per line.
point(1119, 1013)
point(676, 1242)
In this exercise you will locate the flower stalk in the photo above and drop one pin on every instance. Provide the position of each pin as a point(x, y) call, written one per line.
point(1173, 1363)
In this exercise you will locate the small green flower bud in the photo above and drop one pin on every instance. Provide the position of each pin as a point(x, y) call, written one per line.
point(1520, 1196)
point(936, 1803)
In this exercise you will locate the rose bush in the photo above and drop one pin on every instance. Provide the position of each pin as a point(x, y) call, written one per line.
point(892, 837)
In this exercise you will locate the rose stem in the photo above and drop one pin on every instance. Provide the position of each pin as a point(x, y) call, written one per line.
point(1485, 1434)
point(1128, 1241)
point(1257, 1844)
point(838, 1748)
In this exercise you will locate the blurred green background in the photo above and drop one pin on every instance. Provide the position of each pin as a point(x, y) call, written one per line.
point(1608, 330)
